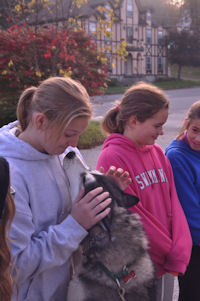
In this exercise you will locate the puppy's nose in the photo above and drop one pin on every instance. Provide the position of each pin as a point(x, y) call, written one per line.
point(71, 155)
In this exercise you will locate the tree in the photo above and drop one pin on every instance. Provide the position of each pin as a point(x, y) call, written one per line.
point(193, 8)
point(183, 49)
point(59, 52)
point(65, 13)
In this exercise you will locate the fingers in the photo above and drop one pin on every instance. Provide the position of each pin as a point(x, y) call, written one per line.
point(101, 169)
point(117, 172)
point(120, 176)
point(91, 208)
point(111, 171)
point(101, 215)
point(100, 206)
point(91, 195)
point(98, 199)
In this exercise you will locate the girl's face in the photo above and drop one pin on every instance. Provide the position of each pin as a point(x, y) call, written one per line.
point(56, 145)
point(145, 133)
point(193, 134)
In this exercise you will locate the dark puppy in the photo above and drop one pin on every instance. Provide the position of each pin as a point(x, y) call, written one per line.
point(115, 264)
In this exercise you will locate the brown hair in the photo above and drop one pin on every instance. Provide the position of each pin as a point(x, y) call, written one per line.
point(192, 113)
point(61, 99)
point(7, 215)
point(141, 100)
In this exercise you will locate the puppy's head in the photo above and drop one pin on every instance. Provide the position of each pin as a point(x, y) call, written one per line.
point(79, 174)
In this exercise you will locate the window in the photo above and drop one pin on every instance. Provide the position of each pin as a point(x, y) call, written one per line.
point(128, 67)
point(108, 10)
point(108, 34)
point(148, 17)
point(160, 64)
point(148, 64)
point(93, 28)
point(129, 34)
point(160, 37)
point(148, 36)
point(109, 58)
point(129, 8)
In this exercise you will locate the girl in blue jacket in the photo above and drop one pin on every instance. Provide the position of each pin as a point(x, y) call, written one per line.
point(184, 155)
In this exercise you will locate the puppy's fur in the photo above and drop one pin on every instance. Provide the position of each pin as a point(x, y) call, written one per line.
point(114, 247)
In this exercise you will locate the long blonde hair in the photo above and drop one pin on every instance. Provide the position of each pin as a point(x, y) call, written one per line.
point(141, 100)
point(61, 99)
point(6, 216)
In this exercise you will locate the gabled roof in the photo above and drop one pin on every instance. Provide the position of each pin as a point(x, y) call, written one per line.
point(61, 11)
point(158, 10)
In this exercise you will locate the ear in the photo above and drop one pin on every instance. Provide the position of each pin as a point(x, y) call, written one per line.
point(40, 121)
point(132, 121)
point(128, 200)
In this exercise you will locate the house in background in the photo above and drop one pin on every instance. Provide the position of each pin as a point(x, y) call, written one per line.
point(137, 22)
point(138, 25)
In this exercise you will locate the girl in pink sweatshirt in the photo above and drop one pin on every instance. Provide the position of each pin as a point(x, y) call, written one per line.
point(133, 126)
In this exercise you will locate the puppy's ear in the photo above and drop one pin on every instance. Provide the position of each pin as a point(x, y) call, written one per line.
point(127, 200)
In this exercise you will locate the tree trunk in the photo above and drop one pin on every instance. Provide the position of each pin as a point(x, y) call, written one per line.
point(179, 71)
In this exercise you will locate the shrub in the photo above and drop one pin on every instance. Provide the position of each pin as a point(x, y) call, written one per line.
point(92, 136)
point(26, 58)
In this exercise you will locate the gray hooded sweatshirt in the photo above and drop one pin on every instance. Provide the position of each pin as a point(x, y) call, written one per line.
point(43, 233)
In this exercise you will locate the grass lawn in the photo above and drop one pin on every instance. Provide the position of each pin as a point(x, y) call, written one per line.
point(187, 71)
point(92, 136)
point(174, 83)
point(163, 83)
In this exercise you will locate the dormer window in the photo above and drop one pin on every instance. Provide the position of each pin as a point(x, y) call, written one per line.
point(148, 16)
point(129, 8)
point(93, 28)
point(107, 6)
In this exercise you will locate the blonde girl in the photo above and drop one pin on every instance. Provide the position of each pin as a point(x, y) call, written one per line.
point(47, 227)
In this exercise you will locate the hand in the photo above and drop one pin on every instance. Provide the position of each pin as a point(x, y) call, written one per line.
point(90, 209)
point(120, 177)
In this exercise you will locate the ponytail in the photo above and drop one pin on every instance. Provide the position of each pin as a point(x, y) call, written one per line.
point(111, 122)
point(23, 107)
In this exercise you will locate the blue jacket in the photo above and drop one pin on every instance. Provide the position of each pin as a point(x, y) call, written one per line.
point(186, 168)
point(43, 233)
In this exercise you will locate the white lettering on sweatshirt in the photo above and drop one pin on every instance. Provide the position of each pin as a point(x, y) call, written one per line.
point(147, 178)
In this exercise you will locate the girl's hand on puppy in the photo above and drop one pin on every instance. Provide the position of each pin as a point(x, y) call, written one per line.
point(120, 176)
point(90, 209)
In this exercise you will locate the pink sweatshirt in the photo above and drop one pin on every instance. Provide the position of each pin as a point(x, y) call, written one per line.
point(159, 208)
